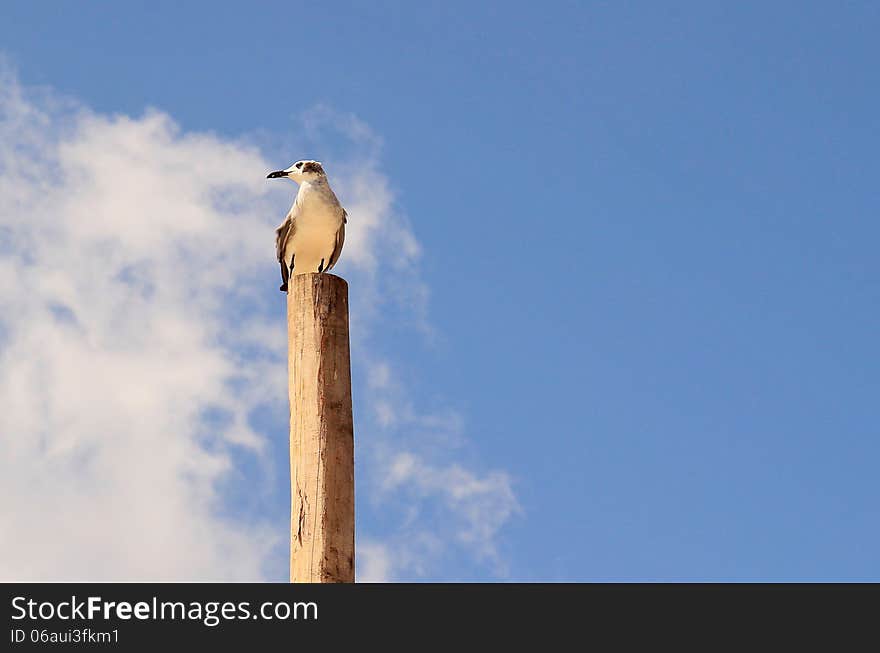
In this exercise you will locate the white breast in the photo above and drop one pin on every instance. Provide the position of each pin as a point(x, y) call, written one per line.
point(317, 220)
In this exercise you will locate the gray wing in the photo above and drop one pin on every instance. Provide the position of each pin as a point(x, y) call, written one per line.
point(282, 235)
point(340, 240)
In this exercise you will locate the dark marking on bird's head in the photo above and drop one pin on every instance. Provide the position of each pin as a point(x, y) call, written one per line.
point(313, 166)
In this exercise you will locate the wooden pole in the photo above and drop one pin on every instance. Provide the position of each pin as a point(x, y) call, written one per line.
point(321, 431)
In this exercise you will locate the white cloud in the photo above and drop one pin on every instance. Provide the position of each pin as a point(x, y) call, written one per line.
point(475, 507)
point(441, 506)
point(373, 562)
point(136, 279)
point(123, 245)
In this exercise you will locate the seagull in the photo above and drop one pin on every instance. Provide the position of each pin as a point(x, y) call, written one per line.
point(311, 236)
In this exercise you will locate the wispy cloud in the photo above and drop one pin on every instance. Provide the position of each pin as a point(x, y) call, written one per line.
point(483, 504)
point(438, 507)
point(140, 333)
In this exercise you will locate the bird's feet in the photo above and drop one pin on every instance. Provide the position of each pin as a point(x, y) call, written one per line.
point(283, 287)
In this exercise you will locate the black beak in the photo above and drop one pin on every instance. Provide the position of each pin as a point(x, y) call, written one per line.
point(276, 174)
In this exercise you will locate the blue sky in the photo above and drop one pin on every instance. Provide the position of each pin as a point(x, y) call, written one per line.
point(642, 308)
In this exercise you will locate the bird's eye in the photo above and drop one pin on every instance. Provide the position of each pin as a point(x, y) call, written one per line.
point(299, 165)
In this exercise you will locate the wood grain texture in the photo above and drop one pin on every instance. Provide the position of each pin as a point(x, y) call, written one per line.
point(321, 431)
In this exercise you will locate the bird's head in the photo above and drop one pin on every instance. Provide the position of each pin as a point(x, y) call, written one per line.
point(300, 171)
